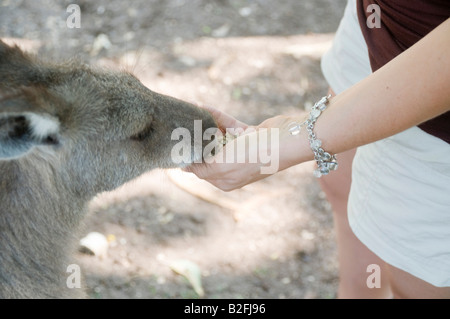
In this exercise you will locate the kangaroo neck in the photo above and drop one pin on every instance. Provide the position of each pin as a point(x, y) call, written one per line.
point(39, 218)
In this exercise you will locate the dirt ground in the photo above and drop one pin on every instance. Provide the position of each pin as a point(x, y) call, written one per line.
point(252, 59)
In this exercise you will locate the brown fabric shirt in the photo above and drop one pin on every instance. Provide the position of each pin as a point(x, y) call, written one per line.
point(402, 24)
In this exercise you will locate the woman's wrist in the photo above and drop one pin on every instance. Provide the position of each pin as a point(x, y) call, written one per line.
point(294, 148)
point(302, 130)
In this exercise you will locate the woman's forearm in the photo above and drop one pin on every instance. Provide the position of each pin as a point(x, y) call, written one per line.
point(411, 89)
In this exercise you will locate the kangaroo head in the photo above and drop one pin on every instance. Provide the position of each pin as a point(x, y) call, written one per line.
point(100, 127)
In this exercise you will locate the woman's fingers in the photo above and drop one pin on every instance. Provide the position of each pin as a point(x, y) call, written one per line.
point(224, 120)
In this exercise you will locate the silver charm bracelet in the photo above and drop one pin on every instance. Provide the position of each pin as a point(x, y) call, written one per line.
point(325, 161)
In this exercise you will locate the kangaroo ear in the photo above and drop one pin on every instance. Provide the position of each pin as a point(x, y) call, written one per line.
point(11, 56)
point(23, 127)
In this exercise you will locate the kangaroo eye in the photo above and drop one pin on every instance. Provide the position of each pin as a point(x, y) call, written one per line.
point(142, 135)
point(50, 140)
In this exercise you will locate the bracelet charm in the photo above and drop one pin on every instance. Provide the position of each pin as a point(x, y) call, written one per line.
point(326, 162)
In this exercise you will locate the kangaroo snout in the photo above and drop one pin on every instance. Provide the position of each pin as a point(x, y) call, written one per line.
point(188, 132)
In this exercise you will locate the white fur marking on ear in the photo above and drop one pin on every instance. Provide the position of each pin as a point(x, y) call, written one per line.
point(43, 126)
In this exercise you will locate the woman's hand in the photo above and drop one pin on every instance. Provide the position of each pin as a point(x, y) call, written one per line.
point(256, 153)
point(224, 120)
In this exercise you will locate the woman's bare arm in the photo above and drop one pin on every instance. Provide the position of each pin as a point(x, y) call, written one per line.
point(409, 90)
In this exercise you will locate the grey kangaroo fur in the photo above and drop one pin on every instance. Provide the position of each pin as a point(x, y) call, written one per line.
point(67, 133)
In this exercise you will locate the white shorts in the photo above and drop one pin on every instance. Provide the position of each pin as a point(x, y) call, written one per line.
point(399, 204)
